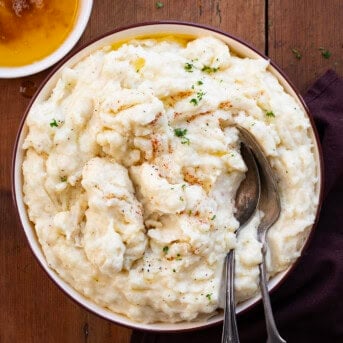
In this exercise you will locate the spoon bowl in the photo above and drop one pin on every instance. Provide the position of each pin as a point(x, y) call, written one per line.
point(247, 195)
point(269, 201)
point(246, 201)
point(269, 204)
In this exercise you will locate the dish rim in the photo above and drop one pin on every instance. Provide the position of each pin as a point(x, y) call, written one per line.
point(204, 324)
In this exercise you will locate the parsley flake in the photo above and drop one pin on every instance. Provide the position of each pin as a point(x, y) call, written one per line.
point(194, 101)
point(199, 83)
point(185, 140)
point(63, 179)
point(297, 54)
point(325, 53)
point(53, 123)
point(165, 249)
point(214, 217)
point(179, 132)
point(182, 133)
point(183, 186)
point(270, 114)
point(209, 70)
point(208, 296)
point(200, 95)
point(174, 271)
point(159, 4)
point(189, 67)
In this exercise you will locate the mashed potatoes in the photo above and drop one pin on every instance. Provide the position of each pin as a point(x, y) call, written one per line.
point(131, 170)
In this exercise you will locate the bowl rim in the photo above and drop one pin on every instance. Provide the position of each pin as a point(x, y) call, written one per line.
point(84, 11)
point(320, 166)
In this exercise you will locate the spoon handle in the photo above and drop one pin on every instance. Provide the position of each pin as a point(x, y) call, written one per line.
point(230, 330)
point(272, 331)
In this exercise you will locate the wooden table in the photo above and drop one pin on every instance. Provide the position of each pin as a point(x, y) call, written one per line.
point(32, 308)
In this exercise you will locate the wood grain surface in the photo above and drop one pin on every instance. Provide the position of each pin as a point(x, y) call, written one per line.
point(311, 27)
point(32, 308)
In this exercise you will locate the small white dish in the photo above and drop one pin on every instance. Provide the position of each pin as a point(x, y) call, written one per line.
point(83, 14)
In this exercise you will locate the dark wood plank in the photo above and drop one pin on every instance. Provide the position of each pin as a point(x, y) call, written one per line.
point(231, 16)
point(32, 308)
point(306, 26)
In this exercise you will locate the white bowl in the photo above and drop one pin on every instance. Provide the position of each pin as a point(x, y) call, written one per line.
point(119, 35)
point(83, 13)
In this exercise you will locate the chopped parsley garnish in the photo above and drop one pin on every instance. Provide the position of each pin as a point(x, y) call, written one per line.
point(208, 296)
point(199, 97)
point(181, 198)
point(178, 257)
point(183, 186)
point(194, 101)
point(179, 132)
point(53, 123)
point(199, 83)
point(270, 114)
point(325, 53)
point(182, 133)
point(190, 212)
point(174, 270)
point(297, 54)
point(214, 217)
point(185, 140)
point(165, 249)
point(189, 67)
point(209, 70)
point(159, 4)
point(63, 179)
point(200, 94)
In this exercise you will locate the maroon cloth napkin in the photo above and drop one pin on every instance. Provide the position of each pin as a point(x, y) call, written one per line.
point(308, 307)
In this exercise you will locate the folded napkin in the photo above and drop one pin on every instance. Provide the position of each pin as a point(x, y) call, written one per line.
point(308, 307)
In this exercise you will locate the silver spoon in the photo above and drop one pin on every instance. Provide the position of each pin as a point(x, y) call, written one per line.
point(246, 202)
point(269, 204)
